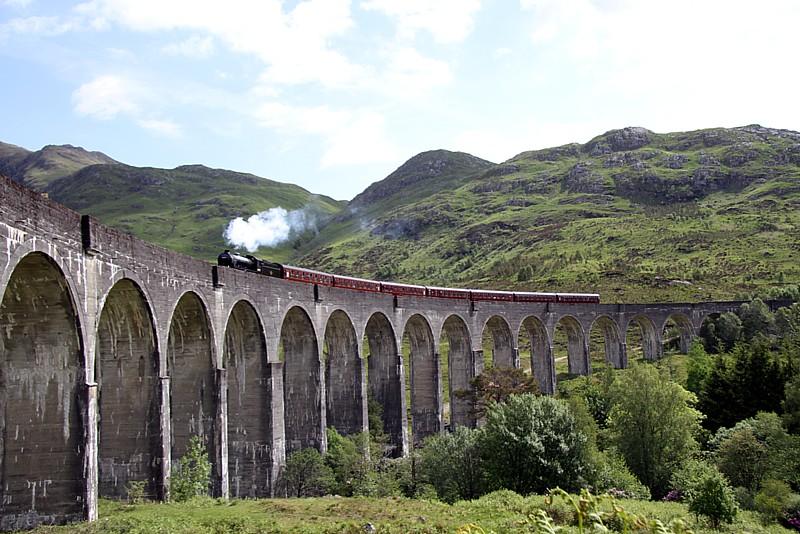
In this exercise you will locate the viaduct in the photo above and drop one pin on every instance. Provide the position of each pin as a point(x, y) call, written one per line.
point(115, 352)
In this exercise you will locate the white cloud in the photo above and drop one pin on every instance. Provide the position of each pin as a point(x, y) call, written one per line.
point(196, 47)
point(106, 97)
point(163, 128)
point(295, 45)
point(48, 26)
point(410, 74)
point(16, 3)
point(448, 21)
point(110, 97)
point(348, 137)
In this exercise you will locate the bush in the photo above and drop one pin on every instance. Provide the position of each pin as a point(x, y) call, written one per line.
point(773, 498)
point(191, 475)
point(452, 464)
point(688, 477)
point(614, 477)
point(714, 499)
point(742, 459)
point(306, 475)
point(698, 367)
point(530, 444)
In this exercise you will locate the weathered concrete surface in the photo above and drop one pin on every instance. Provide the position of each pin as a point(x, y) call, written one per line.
point(123, 351)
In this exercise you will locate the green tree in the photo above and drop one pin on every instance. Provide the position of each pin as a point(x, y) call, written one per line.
point(713, 498)
point(530, 444)
point(772, 499)
point(698, 366)
point(728, 331)
point(306, 475)
point(653, 425)
point(791, 405)
point(756, 318)
point(191, 475)
point(742, 458)
point(496, 385)
point(452, 464)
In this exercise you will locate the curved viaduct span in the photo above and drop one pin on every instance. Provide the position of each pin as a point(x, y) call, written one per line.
point(114, 352)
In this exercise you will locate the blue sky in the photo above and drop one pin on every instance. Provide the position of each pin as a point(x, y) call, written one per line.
point(335, 94)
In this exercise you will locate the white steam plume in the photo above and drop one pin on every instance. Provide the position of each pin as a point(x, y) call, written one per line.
point(267, 228)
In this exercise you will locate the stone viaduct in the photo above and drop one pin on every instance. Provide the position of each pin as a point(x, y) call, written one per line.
point(115, 352)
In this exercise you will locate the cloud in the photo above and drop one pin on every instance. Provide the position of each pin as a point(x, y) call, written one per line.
point(105, 97)
point(410, 74)
point(164, 128)
point(348, 137)
point(47, 26)
point(195, 47)
point(295, 45)
point(447, 21)
point(111, 96)
point(16, 3)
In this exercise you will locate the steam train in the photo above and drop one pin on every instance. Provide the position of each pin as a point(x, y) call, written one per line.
point(298, 274)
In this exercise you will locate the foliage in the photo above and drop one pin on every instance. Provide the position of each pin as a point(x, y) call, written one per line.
point(749, 381)
point(136, 491)
point(452, 464)
point(773, 499)
point(306, 475)
point(191, 474)
point(653, 425)
point(756, 318)
point(538, 433)
point(377, 434)
point(742, 459)
point(791, 405)
point(613, 477)
point(713, 498)
point(497, 384)
point(699, 365)
point(728, 330)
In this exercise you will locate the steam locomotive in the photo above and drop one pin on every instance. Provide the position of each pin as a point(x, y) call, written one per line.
point(298, 274)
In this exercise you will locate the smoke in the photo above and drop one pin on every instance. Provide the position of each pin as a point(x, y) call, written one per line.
point(268, 228)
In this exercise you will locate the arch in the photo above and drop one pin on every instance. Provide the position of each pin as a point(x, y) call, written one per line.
point(385, 376)
point(41, 386)
point(685, 330)
point(426, 398)
point(504, 353)
point(345, 403)
point(577, 346)
point(190, 361)
point(612, 341)
point(303, 407)
point(129, 395)
point(249, 399)
point(651, 338)
point(461, 371)
point(542, 365)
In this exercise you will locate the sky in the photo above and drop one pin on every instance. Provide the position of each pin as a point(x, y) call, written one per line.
point(334, 94)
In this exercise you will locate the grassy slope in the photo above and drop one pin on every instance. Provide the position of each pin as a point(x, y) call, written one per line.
point(185, 209)
point(596, 217)
point(39, 169)
point(500, 512)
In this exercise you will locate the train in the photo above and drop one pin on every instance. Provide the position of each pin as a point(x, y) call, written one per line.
point(309, 276)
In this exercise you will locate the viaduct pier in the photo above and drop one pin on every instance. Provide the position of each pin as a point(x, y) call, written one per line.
point(115, 352)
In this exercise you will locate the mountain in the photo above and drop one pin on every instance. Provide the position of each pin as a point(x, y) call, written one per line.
point(632, 214)
point(186, 208)
point(39, 169)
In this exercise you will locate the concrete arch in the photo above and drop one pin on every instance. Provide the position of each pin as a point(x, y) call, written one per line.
point(42, 386)
point(385, 376)
point(426, 397)
point(612, 341)
point(191, 365)
point(249, 397)
point(126, 356)
point(303, 383)
point(542, 364)
point(461, 370)
point(345, 383)
point(577, 346)
point(651, 338)
point(685, 328)
point(504, 351)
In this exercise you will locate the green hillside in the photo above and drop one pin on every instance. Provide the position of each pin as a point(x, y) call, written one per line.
point(632, 214)
point(39, 169)
point(186, 208)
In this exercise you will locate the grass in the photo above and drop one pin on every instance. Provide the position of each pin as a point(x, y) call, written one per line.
point(499, 512)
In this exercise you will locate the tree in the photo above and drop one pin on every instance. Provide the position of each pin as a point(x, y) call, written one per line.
point(306, 475)
point(530, 444)
point(653, 425)
point(742, 458)
point(728, 330)
point(756, 318)
point(452, 464)
point(713, 498)
point(191, 475)
point(496, 385)
point(699, 365)
point(791, 405)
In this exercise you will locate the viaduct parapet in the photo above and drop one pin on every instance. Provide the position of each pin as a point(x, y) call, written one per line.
point(115, 352)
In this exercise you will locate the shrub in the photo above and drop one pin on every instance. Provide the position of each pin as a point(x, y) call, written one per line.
point(698, 366)
point(306, 475)
point(530, 444)
point(452, 464)
point(136, 491)
point(688, 477)
point(742, 459)
point(713, 498)
point(614, 477)
point(191, 475)
point(772, 499)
